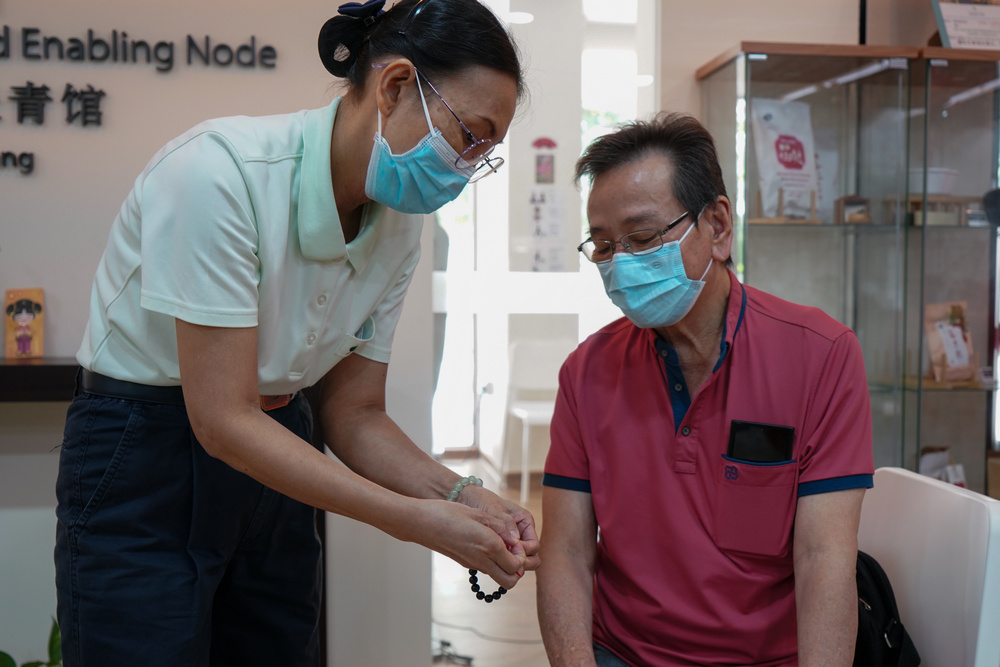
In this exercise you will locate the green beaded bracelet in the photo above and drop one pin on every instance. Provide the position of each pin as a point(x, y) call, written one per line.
point(462, 483)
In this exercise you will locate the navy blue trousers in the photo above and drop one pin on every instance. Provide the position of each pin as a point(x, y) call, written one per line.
point(166, 556)
point(606, 658)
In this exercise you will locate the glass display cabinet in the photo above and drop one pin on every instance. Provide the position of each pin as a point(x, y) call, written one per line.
point(949, 341)
point(813, 143)
point(891, 227)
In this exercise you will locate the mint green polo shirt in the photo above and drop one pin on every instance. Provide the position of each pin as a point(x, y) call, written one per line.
point(234, 224)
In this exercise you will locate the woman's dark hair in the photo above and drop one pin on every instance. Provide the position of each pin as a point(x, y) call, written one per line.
point(440, 37)
point(696, 179)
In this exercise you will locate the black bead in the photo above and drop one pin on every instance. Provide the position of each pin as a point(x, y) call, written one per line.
point(480, 595)
point(473, 572)
point(475, 588)
point(489, 598)
point(473, 580)
point(501, 590)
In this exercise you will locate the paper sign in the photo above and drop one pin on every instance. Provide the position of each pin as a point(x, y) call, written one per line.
point(955, 349)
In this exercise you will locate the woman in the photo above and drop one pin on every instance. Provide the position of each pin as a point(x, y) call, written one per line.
point(252, 259)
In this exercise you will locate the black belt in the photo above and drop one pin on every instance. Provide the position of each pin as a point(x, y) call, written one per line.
point(95, 383)
point(102, 385)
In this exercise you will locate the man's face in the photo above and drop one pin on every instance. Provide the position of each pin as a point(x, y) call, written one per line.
point(637, 196)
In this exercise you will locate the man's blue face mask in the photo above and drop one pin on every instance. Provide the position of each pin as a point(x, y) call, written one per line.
point(652, 290)
point(421, 180)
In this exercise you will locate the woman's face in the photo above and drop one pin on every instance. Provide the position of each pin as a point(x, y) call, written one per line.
point(484, 100)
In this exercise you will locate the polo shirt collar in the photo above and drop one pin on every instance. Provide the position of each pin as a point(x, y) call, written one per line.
point(735, 308)
point(321, 237)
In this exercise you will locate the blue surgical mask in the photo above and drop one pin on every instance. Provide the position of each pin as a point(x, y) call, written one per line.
point(421, 180)
point(652, 290)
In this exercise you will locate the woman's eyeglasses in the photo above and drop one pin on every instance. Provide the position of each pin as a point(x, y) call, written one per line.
point(477, 154)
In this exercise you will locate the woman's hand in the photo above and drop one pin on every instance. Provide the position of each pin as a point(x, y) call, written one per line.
point(519, 524)
point(473, 538)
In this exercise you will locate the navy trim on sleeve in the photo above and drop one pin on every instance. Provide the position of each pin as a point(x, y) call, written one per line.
point(568, 483)
point(836, 484)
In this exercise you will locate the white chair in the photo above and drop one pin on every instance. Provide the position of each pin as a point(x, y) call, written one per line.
point(939, 544)
point(533, 380)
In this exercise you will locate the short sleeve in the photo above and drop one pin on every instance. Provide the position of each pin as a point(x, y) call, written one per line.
point(199, 237)
point(837, 452)
point(567, 464)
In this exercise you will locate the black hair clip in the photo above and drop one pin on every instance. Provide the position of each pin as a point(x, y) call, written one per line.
point(369, 11)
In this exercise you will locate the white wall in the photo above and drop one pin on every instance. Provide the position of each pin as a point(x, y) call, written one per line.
point(693, 33)
point(900, 22)
point(53, 226)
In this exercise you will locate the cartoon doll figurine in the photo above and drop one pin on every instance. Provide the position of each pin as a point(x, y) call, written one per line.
point(24, 312)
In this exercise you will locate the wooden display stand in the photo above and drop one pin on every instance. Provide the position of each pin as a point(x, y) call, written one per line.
point(942, 210)
point(928, 382)
point(781, 218)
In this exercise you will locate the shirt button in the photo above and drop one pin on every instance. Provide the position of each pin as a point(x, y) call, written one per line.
point(685, 431)
point(663, 353)
point(321, 299)
point(311, 338)
point(678, 387)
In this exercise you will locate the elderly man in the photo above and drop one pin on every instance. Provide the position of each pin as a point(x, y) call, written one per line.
point(710, 450)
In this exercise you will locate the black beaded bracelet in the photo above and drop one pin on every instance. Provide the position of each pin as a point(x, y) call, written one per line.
point(480, 595)
point(471, 480)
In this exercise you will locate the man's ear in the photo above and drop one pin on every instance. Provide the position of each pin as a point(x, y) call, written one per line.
point(720, 219)
point(391, 80)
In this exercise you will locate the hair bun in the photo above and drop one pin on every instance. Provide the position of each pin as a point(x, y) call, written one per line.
point(342, 37)
point(340, 40)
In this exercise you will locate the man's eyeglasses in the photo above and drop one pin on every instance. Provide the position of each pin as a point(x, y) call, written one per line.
point(641, 242)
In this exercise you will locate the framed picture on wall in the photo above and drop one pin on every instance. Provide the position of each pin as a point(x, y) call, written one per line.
point(968, 24)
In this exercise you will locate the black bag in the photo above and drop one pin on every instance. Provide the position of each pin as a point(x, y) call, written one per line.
point(882, 639)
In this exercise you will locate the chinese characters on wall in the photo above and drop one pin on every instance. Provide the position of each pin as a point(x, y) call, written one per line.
point(28, 103)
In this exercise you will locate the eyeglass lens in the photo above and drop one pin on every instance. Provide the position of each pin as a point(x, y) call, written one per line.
point(641, 242)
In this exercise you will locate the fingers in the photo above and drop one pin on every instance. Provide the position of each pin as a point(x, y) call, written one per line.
point(529, 538)
point(492, 504)
point(517, 549)
point(507, 559)
point(526, 542)
point(510, 525)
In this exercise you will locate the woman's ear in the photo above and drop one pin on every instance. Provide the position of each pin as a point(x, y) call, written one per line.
point(390, 82)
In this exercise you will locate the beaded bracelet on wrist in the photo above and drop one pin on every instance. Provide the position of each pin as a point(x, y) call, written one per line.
point(474, 574)
point(462, 483)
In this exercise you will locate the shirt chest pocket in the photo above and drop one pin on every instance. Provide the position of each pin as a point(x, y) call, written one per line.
point(755, 506)
point(351, 343)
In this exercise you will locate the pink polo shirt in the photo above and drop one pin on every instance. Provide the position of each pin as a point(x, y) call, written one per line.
point(694, 563)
